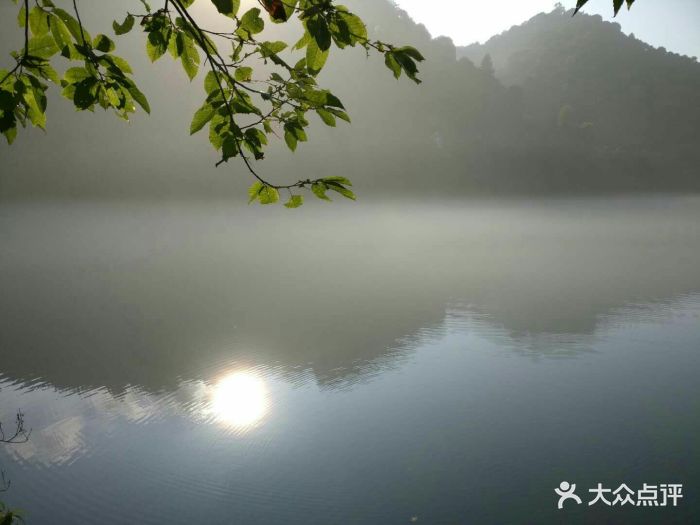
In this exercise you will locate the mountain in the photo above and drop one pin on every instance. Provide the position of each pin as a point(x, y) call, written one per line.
point(622, 107)
point(560, 104)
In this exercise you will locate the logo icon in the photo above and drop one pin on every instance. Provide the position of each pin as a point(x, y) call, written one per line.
point(565, 492)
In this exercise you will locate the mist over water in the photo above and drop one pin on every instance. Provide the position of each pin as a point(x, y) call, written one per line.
point(333, 286)
point(362, 363)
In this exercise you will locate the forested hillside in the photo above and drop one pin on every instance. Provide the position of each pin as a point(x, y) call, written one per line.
point(620, 112)
point(559, 104)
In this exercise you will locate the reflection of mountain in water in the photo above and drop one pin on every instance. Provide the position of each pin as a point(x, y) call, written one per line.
point(101, 295)
point(76, 424)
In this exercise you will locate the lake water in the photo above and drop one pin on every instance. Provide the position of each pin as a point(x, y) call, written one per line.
point(350, 364)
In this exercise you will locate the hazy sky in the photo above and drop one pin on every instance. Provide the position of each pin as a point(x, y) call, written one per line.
point(674, 24)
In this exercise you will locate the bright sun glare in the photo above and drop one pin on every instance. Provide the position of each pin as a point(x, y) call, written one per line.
point(239, 400)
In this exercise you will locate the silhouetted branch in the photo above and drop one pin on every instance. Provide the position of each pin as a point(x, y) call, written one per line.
point(20, 434)
point(4, 482)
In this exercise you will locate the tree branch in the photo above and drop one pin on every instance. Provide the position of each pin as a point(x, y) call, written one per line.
point(20, 434)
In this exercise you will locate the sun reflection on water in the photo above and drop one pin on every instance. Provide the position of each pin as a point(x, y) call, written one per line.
point(239, 400)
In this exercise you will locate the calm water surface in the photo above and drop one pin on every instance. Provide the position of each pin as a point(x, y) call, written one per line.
point(376, 364)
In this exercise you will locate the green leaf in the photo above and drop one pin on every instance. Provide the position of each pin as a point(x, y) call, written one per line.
point(7, 99)
point(176, 44)
point(5, 74)
point(156, 45)
point(36, 105)
point(251, 24)
point(72, 25)
point(392, 64)
point(119, 62)
point(617, 4)
point(315, 58)
point(140, 98)
point(229, 147)
point(333, 101)
point(217, 123)
point(43, 46)
point(411, 52)
point(263, 193)
point(294, 127)
point(113, 97)
point(356, 26)
point(319, 189)
point(254, 191)
point(318, 29)
point(124, 27)
point(339, 188)
point(60, 32)
point(268, 49)
point(303, 41)
point(201, 117)
point(294, 201)
point(244, 104)
point(189, 57)
point(290, 139)
point(339, 180)
point(210, 83)
point(38, 21)
point(103, 43)
point(340, 114)
point(44, 70)
point(83, 96)
point(256, 135)
point(290, 6)
point(227, 7)
point(21, 16)
point(579, 5)
point(76, 74)
point(10, 134)
point(244, 74)
point(407, 64)
point(254, 140)
point(326, 116)
point(268, 195)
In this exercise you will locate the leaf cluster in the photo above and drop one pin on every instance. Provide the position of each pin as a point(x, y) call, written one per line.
point(617, 5)
point(99, 78)
point(243, 107)
point(266, 194)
